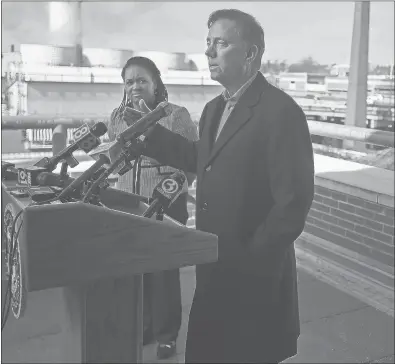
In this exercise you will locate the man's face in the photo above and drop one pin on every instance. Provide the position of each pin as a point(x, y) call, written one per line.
point(226, 52)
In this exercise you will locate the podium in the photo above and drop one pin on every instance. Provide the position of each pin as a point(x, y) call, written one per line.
point(97, 257)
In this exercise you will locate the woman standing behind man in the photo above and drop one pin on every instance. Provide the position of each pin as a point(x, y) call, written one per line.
point(143, 87)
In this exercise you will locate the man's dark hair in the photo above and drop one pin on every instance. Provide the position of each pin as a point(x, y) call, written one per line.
point(161, 91)
point(251, 31)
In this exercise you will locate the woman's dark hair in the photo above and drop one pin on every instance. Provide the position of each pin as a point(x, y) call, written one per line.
point(161, 91)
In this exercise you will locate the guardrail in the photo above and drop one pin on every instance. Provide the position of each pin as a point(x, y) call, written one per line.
point(49, 121)
point(370, 136)
point(43, 73)
point(60, 125)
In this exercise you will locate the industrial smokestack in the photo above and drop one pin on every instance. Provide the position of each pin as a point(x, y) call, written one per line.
point(65, 26)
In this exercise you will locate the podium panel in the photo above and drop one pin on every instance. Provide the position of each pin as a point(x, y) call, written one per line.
point(96, 257)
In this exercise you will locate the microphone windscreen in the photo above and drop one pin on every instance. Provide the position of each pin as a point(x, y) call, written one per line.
point(52, 179)
point(145, 122)
point(112, 150)
point(169, 188)
point(99, 129)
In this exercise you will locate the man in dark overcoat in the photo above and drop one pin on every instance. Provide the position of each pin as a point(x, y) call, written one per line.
point(255, 185)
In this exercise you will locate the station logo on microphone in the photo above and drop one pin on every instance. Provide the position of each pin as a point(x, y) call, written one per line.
point(169, 186)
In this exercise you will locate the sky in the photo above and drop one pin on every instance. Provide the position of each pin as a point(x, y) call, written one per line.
point(293, 30)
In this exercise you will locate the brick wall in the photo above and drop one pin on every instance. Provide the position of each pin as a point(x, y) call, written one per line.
point(350, 222)
point(353, 223)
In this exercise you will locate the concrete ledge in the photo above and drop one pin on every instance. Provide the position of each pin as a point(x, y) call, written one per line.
point(28, 156)
point(366, 182)
point(351, 281)
point(346, 256)
point(355, 179)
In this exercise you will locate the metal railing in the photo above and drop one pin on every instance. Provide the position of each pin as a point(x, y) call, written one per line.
point(59, 125)
point(370, 136)
point(49, 121)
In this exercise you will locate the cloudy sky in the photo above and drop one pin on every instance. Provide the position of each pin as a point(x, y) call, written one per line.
point(293, 29)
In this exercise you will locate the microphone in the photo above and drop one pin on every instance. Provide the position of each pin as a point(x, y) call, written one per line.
point(145, 122)
point(113, 151)
point(57, 183)
point(84, 176)
point(85, 137)
point(166, 192)
point(53, 180)
point(130, 140)
point(8, 171)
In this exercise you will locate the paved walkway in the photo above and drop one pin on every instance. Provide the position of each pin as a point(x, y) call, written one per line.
point(336, 328)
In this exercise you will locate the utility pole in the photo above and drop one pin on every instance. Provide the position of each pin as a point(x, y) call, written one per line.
point(358, 76)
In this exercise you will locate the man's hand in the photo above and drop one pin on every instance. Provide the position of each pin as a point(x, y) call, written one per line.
point(130, 115)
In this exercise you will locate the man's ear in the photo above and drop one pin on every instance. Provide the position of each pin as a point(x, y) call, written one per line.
point(252, 52)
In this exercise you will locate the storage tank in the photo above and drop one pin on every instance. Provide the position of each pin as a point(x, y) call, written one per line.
point(47, 55)
point(62, 56)
point(179, 61)
point(125, 55)
point(36, 54)
point(164, 61)
point(200, 60)
point(104, 57)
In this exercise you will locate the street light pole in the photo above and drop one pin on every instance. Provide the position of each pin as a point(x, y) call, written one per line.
point(358, 76)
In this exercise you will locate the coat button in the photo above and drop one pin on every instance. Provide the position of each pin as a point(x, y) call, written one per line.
point(208, 168)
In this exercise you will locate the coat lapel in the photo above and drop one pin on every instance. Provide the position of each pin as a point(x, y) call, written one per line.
point(240, 115)
point(213, 113)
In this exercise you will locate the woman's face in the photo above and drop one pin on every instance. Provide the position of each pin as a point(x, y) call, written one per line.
point(139, 84)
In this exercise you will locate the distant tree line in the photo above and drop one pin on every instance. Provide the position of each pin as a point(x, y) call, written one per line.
point(309, 65)
point(382, 70)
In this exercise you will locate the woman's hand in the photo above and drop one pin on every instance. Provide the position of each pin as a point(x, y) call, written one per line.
point(130, 115)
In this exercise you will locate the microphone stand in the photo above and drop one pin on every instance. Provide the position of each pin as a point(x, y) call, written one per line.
point(131, 141)
point(129, 153)
point(159, 214)
point(63, 171)
point(94, 193)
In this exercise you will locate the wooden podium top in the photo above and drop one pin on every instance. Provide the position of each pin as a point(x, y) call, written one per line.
point(73, 243)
